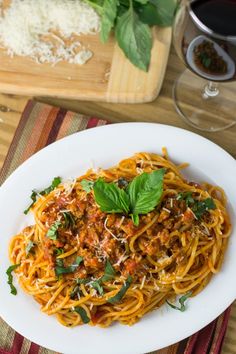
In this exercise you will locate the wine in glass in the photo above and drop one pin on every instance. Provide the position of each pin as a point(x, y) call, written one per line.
point(205, 39)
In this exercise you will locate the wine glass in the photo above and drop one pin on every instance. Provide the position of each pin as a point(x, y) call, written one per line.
point(204, 35)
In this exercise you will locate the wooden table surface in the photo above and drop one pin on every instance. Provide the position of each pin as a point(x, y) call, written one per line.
point(161, 111)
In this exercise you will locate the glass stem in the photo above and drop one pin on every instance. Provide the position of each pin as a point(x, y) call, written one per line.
point(210, 90)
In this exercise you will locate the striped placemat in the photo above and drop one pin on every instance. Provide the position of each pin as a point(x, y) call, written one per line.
point(39, 126)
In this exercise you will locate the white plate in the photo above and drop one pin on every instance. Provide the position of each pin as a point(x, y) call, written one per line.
point(103, 147)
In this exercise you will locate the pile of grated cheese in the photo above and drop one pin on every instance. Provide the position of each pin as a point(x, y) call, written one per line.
point(47, 30)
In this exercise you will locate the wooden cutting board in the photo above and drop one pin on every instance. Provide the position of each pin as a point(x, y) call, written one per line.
point(107, 77)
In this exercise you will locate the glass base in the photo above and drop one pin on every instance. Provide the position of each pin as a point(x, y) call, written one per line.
point(202, 111)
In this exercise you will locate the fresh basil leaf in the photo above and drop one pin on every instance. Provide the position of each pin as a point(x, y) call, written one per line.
point(109, 12)
point(142, 1)
point(55, 182)
point(145, 192)
point(53, 230)
point(182, 300)
point(69, 219)
point(97, 286)
point(110, 272)
point(10, 278)
point(60, 269)
point(200, 207)
point(110, 197)
point(83, 314)
point(134, 38)
point(29, 247)
point(87, 185)
point(158, 12)
point(96, 4)
point(121, 293)
point(122, 8)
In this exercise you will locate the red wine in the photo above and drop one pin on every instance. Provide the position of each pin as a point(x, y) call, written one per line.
point(205, 38)
point(217, 15)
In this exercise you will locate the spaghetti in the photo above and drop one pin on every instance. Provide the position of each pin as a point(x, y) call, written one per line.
point(85, 265)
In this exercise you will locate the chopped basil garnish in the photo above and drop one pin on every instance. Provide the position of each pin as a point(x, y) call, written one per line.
point(74, 292)
point(97, 286)
point(59, 251)
point(182, 300)
point(83, 314)
point(10, 278)
point(69, 219)
point(198, 207)
point(60, 269)
point(53, 230)
point(87, 185)
point(79, 260)
point(82, 281)
point(33, 197)
point(187, 197)
point(110, 272)
point(121, 293)
point(29, 247)
point(55, 182)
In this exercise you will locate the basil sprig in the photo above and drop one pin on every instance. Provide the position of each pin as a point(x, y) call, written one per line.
point(69, 219)
point(182, 300)
point(134, 38)
point(55, 182)
point(121, 292)
point(131, 21)
point(10, 278)
point(141, 196)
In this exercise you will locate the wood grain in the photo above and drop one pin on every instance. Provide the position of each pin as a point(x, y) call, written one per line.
point(108, 76)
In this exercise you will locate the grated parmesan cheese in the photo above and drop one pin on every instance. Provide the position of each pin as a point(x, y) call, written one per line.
point(46, 30)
